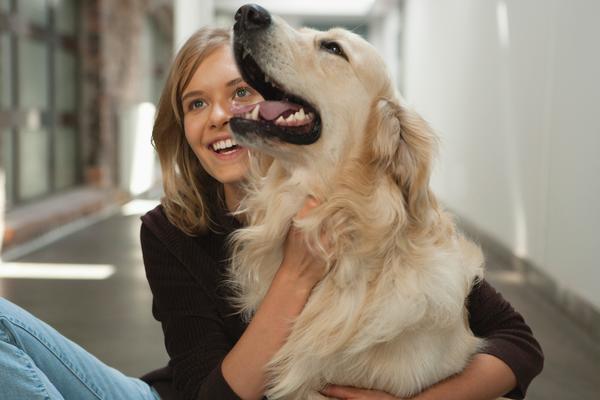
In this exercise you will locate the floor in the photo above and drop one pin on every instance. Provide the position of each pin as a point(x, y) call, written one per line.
point(111, 317)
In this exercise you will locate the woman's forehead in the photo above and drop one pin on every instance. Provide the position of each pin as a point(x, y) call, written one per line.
point(215, 71)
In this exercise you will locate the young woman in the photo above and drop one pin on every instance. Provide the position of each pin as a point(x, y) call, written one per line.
point(213, 354)
point(184, 241)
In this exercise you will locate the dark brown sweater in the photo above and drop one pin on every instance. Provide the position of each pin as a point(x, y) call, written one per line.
point(200, 327)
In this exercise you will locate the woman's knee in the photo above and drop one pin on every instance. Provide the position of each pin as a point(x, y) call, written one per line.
point(8, 309)
point(14, 322)
point(21, 378)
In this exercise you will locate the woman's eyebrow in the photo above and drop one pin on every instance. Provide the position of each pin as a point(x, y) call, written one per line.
point(235, 81)
point(232, 82)
point(191, 94)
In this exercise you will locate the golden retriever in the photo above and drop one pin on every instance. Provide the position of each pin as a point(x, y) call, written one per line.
point(390, 313)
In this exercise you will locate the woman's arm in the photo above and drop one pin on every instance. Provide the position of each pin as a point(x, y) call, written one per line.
point(198, 335)
point(485, 378)
point(244, 366)
point(507, 336)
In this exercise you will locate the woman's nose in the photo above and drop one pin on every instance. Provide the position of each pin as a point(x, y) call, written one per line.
point(220, 115)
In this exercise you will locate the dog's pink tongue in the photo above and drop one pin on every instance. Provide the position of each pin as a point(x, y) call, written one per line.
point(269, 110)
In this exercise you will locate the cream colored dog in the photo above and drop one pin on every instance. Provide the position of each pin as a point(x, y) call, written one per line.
point(390, 314)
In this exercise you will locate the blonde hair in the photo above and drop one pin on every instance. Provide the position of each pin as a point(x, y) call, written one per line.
point(189, 190)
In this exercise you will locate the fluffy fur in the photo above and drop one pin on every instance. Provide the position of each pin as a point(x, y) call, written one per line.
point(390, 314)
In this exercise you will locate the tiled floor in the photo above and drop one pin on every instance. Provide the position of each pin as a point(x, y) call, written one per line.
point(112, 319)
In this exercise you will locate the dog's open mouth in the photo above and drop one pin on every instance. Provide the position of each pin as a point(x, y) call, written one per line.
point(282, 115)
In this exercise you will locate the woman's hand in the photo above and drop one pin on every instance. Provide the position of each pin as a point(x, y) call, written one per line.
point(299, 261)
point(351, 393)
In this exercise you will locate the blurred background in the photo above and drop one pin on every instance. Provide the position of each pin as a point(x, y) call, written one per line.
point(511, 87)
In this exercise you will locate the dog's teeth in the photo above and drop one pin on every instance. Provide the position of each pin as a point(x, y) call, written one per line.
point(300, 115)
point(255, 112)
point(290, 118)
point(279, 120)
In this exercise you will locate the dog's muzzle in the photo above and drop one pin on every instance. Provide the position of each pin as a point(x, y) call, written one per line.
point(283, 115)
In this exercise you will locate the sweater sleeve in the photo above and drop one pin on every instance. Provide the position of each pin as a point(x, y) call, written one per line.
point(193, 329)
point(507, 335)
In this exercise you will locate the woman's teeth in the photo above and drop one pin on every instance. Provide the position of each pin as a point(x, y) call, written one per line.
point(223, 145)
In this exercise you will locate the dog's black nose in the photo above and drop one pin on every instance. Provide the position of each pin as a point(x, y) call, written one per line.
point(252, 17)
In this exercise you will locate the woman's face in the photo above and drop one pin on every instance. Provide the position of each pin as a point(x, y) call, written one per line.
point(215, 86)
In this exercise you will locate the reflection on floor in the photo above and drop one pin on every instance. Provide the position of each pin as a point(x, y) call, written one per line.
point(107, 311)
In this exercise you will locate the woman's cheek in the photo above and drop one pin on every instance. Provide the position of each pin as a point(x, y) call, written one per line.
point(193, 129)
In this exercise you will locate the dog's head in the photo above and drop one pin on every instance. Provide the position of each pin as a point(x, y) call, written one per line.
point(329, 98)
point(317, 84)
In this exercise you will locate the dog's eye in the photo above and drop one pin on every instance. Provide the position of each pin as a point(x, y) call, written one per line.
point(333, 48)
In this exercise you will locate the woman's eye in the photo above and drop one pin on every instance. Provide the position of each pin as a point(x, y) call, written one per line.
point(242, 92)
point(333, 48)
point(196, 104)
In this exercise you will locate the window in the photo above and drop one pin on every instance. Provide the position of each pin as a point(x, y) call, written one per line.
point(6, 156)
point(4, 6)
point(39, 89)
point(5, 89)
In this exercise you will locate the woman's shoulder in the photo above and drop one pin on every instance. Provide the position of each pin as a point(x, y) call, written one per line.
point(203, 256)
point(156, 218)
point(156, 225)
point(158, 229)
point(157, 221)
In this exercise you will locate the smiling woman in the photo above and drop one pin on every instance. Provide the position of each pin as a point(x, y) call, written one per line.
point(199, 95)
point(207, 101)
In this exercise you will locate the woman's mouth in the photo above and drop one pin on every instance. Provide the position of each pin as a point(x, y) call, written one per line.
point(225, 148)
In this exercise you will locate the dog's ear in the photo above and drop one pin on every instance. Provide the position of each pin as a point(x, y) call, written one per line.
point(404, 145)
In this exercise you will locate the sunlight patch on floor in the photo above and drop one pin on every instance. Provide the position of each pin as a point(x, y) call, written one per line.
point(24, 270)
point(138, 207)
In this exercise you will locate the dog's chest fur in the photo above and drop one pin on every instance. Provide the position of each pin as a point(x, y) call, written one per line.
point(391, 321)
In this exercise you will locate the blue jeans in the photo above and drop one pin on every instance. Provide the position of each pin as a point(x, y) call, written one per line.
point(37, 362)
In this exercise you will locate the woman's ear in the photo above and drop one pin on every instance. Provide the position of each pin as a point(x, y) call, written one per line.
point(404, 145)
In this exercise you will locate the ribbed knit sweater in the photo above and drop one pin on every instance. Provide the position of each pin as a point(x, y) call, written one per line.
point(186, 276)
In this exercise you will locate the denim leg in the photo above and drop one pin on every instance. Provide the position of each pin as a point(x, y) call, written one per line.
point(20, 378)
point(35, 357)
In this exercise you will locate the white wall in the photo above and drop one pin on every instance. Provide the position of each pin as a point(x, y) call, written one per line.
point(513, 89)
point(385, 21)
point(189, 16)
